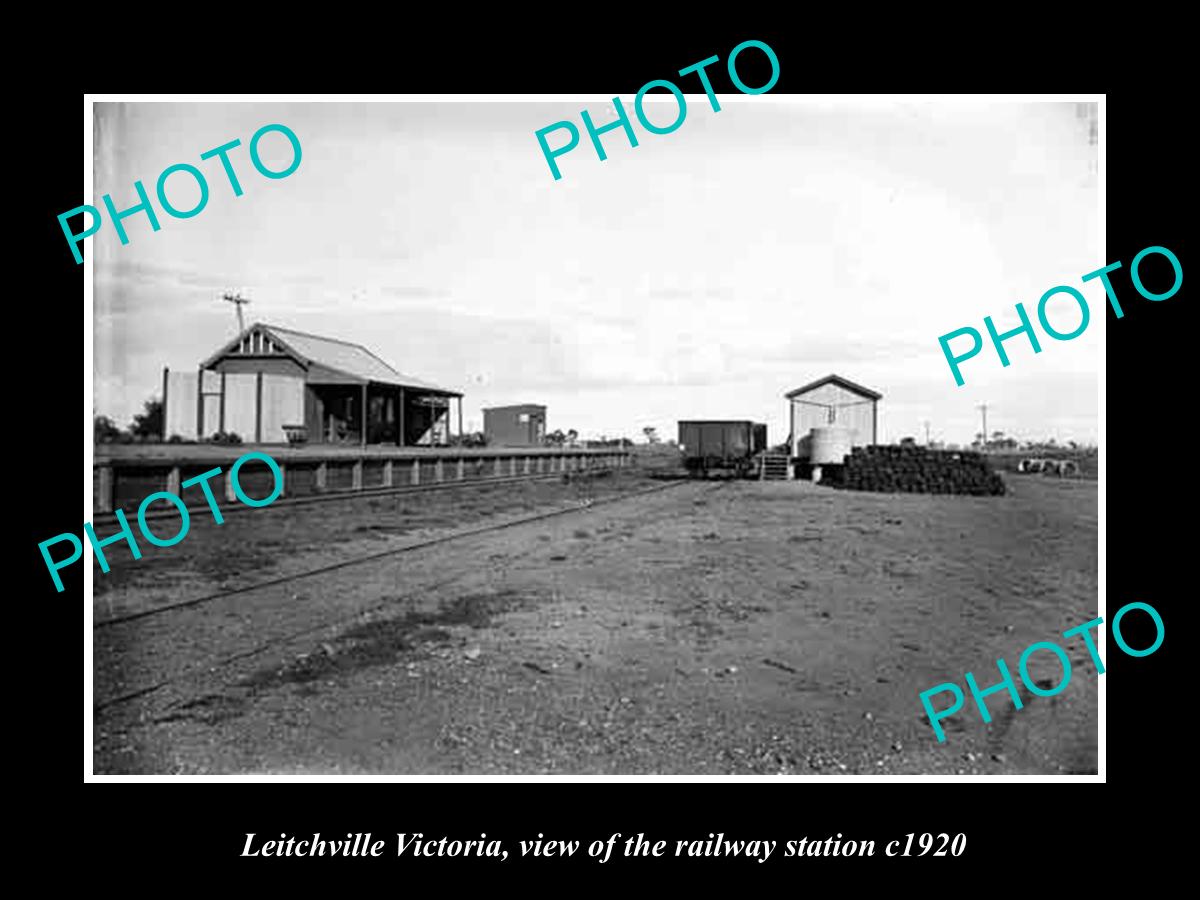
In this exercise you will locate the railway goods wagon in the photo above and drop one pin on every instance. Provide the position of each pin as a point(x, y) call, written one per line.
point(721, 445)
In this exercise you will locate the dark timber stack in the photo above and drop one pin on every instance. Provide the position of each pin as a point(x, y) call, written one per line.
point(915, 470)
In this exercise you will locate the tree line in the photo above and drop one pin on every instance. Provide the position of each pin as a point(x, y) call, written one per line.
point(145, 426)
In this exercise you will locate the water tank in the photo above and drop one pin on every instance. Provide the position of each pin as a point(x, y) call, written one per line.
point(830, 445)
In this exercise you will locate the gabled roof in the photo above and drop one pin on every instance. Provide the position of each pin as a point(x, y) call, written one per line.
point(354, 361)
point(838, 380)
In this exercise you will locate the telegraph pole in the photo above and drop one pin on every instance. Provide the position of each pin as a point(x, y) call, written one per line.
point(926, 432)
point(983, 408)
point(238, 301)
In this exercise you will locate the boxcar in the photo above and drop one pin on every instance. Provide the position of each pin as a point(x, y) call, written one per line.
point(721, 445)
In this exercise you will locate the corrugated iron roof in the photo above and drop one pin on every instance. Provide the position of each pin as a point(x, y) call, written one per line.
point(839, 380)
point(344, 357)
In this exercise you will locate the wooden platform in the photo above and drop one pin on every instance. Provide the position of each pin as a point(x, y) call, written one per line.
point(124, 474)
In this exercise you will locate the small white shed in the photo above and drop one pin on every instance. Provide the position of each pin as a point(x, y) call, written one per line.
point(833, 401)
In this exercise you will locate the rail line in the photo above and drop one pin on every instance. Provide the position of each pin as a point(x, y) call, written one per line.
point(292, 636)
point(282, 640)
point(342, 564)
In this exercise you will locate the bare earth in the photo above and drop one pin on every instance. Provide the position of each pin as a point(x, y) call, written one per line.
point(702, 628)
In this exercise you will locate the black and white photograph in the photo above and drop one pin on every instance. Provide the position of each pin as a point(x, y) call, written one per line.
point(529, 436)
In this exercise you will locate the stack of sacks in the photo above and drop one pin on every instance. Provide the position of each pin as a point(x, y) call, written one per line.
point(914, 470)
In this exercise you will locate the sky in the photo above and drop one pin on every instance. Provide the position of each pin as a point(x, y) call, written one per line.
point(702, 274)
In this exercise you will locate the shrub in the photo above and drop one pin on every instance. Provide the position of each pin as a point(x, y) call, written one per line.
point(105, 431)
point(148, 424)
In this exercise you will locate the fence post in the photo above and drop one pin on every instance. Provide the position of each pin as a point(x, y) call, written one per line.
point(102, 488)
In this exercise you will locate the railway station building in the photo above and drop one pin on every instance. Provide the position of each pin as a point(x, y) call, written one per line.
point(273, 385)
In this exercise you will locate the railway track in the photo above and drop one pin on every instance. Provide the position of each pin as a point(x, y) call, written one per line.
point(128, 619)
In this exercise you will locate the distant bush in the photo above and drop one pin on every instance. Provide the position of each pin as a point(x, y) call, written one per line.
point(105, 430)
point(223, 437)
point(148, 424)
point(146, 427)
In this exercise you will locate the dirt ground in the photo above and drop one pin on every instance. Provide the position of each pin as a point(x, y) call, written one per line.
point(699, 628)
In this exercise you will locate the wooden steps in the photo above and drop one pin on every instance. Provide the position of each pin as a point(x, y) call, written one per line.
point(773, 467)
